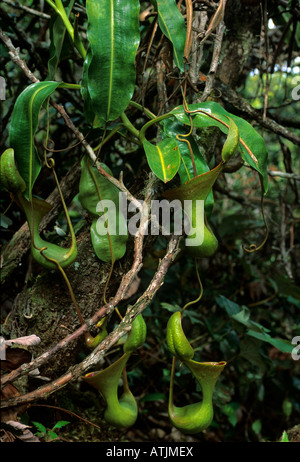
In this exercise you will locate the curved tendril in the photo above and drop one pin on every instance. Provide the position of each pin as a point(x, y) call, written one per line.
point(62, 149)
point(201, 291)
point(90, 340)
point(67, 282)
point(171, 390)
point(254, 247)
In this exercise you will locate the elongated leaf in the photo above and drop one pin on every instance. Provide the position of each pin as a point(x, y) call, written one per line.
point(57, 37)
point(95, 192)
point(281, 344)
point(109, 70)
point(24, 123)
point(89, 113)
point(241, 314)
point(171, 23)
point(197, 188)
point(251, 144)
point(163, 158)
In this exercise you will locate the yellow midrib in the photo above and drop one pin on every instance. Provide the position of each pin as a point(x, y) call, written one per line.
point(161, 158)
point(31, 137)
point(111, 58)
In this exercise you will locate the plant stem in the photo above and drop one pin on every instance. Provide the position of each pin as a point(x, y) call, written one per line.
point(53, 6)
point(113, 131)
point(71, 86)
point(151, 122)
point(127, 124)
point(142, 108)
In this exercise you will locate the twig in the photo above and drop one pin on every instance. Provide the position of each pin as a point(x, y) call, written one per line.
point(214, 62)
point(283, 231)
point(27, 9)
point(199, 22)
point(216, 20)
point(289, 176)
point(75, 372)
point(14, 54)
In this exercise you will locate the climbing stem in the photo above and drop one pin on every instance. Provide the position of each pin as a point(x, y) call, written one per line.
point(142, 108)
point(71, 86)
point(107, 138)
point(171, 391)
point(127, 124)
point(151, 122)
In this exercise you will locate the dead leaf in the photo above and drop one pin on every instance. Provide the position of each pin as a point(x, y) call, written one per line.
point(14, 358)
point(29, 340)
point(26, 435)
point(11, 413)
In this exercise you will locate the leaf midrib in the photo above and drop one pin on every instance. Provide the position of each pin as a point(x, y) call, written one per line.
point(111, 59)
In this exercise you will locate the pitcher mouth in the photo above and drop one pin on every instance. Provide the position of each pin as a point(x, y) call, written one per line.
point(217, 364)
point(212, 363)
point(221, 363)
point(90, 375)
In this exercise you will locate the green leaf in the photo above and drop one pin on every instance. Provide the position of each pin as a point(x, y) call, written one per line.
point(52, 435)
point(197, 188)
point(241, 314)
point(250, 350)
point(57, 37)
point(109, 69)
point(60, 424)
point(5, 221)
point(163, 158)
point(169, 307)
point(40, 427)
point(284, 437)
point(251, 144)
point(286, 287)
point(230, 411)
point(287, 407)
point(256, 426)
point(24, 123)
point(172, 24)
point(94, 191)
point(282, 345)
